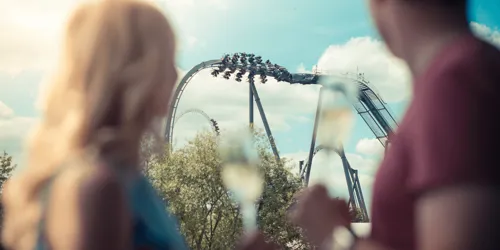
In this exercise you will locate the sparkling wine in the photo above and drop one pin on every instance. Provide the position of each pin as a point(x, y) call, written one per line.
point(245, 181)
point(241, 175)
point(335, 126)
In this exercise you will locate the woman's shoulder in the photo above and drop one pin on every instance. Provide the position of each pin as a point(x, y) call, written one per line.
point(100, 184)
point(87, 200)
point(96, 180)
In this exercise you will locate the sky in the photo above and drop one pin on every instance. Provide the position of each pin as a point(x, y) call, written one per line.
point(334, 35)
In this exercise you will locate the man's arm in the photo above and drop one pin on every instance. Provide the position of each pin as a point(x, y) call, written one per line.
point(456, 218)
point(454, 170)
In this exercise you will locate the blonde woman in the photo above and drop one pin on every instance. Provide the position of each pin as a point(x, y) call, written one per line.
point(82, 188)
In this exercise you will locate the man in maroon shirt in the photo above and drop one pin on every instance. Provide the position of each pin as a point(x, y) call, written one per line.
point(437, 188)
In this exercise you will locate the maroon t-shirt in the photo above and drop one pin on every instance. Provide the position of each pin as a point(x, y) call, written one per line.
point(449, 136)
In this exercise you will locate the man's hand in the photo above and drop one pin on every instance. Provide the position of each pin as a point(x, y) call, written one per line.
point(256, 241)
point(318, 214)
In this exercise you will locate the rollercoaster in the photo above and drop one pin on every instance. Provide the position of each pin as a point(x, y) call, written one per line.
point(370, 107)
point(213, 123)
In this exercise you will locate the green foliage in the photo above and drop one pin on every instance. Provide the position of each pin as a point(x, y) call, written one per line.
point(190, 180)
point(356, 215)
point(6, 168)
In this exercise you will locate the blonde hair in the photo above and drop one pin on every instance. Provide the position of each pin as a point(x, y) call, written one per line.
point(118, 55)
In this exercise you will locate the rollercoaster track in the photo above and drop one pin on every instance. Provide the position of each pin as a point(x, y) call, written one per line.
point(353, 175)
point(213, 123)
point(178, 93)
point(316, 150)
point(370, 106)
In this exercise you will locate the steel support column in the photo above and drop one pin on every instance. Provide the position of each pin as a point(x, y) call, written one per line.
point(264, 120)
point(250, 106)
point(361, 198)
point(313, 138)
point(347, 172)
point(359, 193)
point(301, 165)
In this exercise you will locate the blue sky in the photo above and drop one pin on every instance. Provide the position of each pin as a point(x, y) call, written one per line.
point(293, 32)
point(297, 34)
point(287, 32)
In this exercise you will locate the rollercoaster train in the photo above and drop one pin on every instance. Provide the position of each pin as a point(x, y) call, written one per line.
point(370, 106)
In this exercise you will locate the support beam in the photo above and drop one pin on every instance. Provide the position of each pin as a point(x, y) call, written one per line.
point(313, 138)
point(363, 203)
point(347, 173)
point(301, 165)
point(250, 106)
point(264, 120)
point(359, 191)
point(359, 194)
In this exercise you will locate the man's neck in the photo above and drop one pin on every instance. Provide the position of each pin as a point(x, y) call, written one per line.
point(426, 32)
point(421, 52)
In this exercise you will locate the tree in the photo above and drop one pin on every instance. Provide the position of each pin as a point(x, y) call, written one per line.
point(6, 168)
point(190, 180)
point(357, 215)
point(150, 152)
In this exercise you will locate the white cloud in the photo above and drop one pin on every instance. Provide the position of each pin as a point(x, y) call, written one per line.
point(486, 33)
point(329, 169)
point(302, 69)
point(227, 102)
point(387, 74)
point(5, 111)
point(15, 127)
point(369, 147)
point(31, 30)
point(191, 42)
point(13, 130)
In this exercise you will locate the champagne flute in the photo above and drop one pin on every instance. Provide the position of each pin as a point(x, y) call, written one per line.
point(336, 116)
point(241, 176)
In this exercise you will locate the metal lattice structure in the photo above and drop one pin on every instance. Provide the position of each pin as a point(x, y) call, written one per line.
point(370, 107)
point(357, 198)
point(374, 111)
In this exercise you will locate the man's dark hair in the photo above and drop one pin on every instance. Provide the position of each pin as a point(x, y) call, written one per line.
point(444, 3)
point(450, 2)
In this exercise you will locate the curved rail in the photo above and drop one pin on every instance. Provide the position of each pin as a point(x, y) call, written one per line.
point(213, 123)
point(179, 89)
point(316, 150)
point(370, 106)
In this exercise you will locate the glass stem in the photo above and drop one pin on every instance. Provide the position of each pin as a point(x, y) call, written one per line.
point(249, 215)
point(330, 153)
